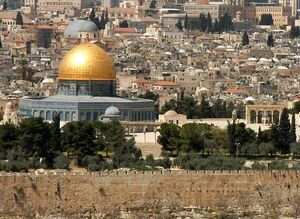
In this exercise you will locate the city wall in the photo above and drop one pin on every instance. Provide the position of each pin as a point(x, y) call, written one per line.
point(52, 193)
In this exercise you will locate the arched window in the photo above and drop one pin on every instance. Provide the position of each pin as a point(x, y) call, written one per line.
point(48, 115)
point(42, 114)
point(67, 116)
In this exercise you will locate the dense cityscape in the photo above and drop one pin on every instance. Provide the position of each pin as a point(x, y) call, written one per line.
point(110, 88)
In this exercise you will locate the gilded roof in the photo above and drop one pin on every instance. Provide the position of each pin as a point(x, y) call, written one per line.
point(87, 62)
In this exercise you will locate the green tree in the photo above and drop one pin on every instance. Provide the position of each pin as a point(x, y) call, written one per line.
point(127, 155)
point(16, 160)
point(245, 40)
point(106, 18)
point(19, 19)
point(4, 6)
point(178, 25)
point(92, 15)
point(186, 22)
point(283, 141)
point(218, 109)
point(153, 4)
point(216, 26)
point(109, 135)
point(266, 19)
point(225, 22)
point(34, 135)
point(202, 22)
point(270, 40)
point(229, 109)
point(231, 138)
point(55, 132)
point(185, 105)
point(193, 135)
point(8, 138)
point(209, 23)
point(205, 109)
point(169, 137)
point(296, 107)
point(295, 32)
point(61, 162)
point(149, 95)
point(123, 24)
point(78, 138)
point(293, 136)
point(1, 43)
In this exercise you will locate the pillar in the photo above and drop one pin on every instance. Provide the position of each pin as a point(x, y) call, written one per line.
point(145, 135)
point(256, 119)
point(154, 135)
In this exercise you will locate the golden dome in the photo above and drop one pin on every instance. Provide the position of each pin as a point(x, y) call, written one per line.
point(87, 62)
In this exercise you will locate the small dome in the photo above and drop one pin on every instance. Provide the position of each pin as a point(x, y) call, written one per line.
point(9, 106)
point(171, 113)
point(74, 27)
point(203, 89)
point(112, 111)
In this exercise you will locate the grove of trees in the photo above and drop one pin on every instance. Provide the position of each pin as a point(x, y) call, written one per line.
point(38, 144)
point(99, 21)
point(266, 19)
point(215, 109)
point(205, 23)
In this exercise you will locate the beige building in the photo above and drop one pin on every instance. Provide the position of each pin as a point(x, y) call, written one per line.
point(58, 5)
point(215, 10)
point(264, 113)
point(172, 117)
point(280, 14)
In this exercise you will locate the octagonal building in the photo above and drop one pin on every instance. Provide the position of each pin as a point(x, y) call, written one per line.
point(86, 89)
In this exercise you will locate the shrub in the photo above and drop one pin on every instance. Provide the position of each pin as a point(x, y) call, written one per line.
point(61, 162)
point(266, 149)
point(165, 162)
point(295, 148)
point(16, 161)
point(278, 165)
point(196, 162)
point(95, 163)
point(150, 161)
point(35, 163)
point(258, 166)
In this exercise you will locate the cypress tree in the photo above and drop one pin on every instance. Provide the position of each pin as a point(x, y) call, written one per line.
point(231, 138)
point(0, 43)
point(102, 21)
point(106, 19)
point(19, 19)
point(216, 27)
point(293, 136)
point(259, 136)
point(270, 40)
point(245, 39)
point(209, 23)
point(284, 132)
point(4, 6)
point(179, 25)
point(93, 15)
point(186, 22)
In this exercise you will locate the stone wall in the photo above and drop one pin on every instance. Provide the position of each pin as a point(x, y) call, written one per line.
point(53, 193)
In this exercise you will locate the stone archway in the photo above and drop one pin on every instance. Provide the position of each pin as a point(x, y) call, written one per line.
point(253, 116)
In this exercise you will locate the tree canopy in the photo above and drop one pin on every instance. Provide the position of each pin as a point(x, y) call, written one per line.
point(266, 19)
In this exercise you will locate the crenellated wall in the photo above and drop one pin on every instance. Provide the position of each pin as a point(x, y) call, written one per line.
point(107, 192)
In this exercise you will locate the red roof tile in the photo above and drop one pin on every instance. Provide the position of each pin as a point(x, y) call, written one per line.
point(125, 30)
point(165, 83)
point(141, 81)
